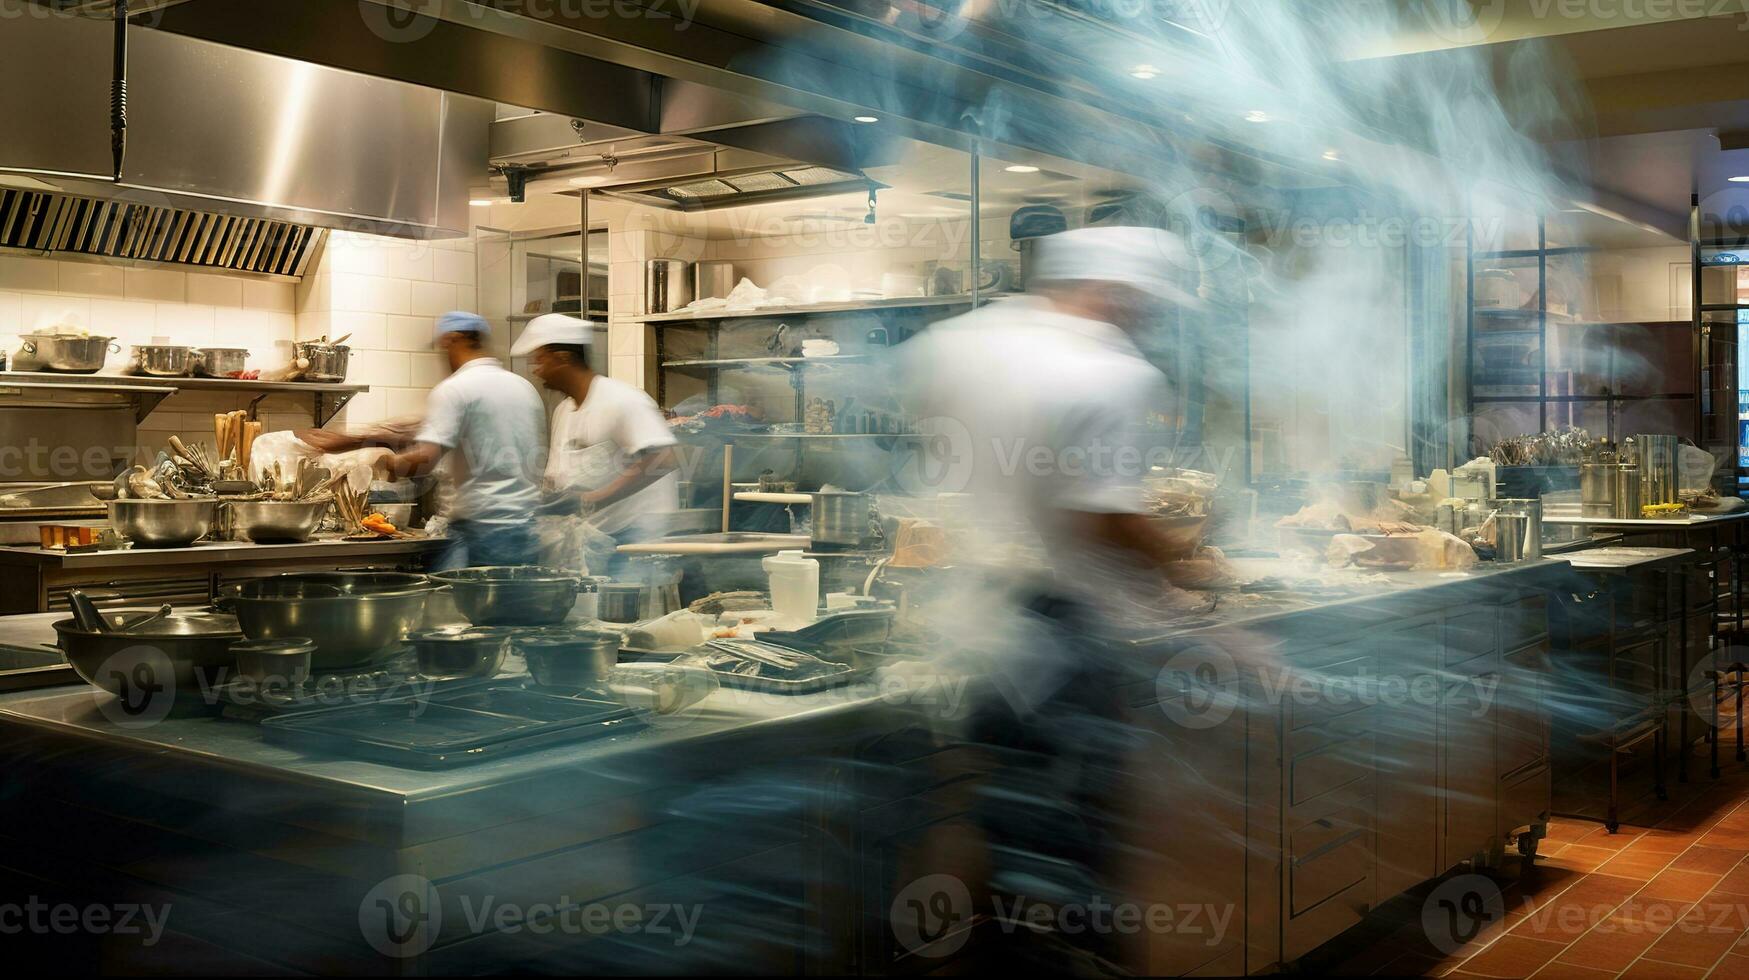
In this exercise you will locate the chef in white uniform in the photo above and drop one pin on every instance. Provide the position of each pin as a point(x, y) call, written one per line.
point(613, 459)
point(1040, 401)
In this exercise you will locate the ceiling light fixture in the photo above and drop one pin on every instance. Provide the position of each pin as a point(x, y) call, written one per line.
point(866, 119)
point(1332, 155)
point(1144, 72)
point(1257, 116)
point(482, 202)
point(1021, 168)
point(1743, 179)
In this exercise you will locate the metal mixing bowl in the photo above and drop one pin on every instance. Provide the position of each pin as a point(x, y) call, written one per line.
point(164, 360)
point(354, 618)
point(569, 658)
point(277, 520)
point(163, 523)
point(184, 655)
point(512, 595)
point(219, 362)
point(454, 652)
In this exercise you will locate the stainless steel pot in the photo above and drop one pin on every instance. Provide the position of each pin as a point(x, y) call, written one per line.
point(163, 523)
point(163, 360)
point(667, 286)
point(220, 362)
point(328, 362)
point(180, 656)
point(68, 353)
point(512, 595)
point(566, 658)
point(354, 618)
point(713, 278)
point(456, 652)
point(275, 520)
point(840, 518)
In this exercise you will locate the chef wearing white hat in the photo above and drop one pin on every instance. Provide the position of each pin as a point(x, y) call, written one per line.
point(613, 456)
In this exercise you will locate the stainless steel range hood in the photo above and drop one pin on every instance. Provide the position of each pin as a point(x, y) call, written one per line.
point(235, 158)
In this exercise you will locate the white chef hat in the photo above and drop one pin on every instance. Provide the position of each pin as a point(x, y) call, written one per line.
point(1150, 259)
point(552, 329)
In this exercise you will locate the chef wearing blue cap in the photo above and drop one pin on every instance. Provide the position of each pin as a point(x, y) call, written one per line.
point(492, 424)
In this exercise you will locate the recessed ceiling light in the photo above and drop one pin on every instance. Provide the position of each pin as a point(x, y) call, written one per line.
point(1144, 72)
point(482, 202)
point(1257, 116)
point(1332, 155)
point(866, 119)
point(589, 180)
point(1744, 179)
point(1021, 168)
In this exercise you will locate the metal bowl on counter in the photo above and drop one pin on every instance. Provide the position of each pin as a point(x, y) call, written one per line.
point(182, 655)
point(164, 360)
point(327, 362)
point(163, 523)
point(569, 658)
point(220, 362)
point(512, 595)
point(276, 520)
point(68, 353)
point(354, 618)
point(455, 652)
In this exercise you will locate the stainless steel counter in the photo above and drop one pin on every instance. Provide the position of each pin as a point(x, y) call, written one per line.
point(215, 552)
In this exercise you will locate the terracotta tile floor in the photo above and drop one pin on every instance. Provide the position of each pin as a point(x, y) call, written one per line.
point(1666, 897)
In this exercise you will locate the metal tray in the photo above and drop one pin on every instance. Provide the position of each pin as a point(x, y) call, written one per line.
point(773, 685)
point(839, 630)
point(456, 726)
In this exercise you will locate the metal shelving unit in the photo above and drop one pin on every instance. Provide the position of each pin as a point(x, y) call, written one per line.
point(326, 399)
point(1717, 339)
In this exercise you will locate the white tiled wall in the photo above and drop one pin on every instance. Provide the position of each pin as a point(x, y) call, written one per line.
point(387, 293)
point(134, 305)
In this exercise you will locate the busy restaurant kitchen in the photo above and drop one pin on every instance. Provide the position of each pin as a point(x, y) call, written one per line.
point(868, 488)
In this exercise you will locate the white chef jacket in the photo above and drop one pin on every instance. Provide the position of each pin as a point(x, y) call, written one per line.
point(495, 423)
point(594, 443)
point(1037, 413)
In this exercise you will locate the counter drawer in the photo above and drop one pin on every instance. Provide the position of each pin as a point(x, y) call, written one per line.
point(1330, 856)
point(1523, 621)
point(1470, 635)
point(1525, 799)
point(1331, 764)
point(1317, 694)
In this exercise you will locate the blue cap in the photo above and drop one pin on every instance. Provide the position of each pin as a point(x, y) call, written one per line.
point(457, 321)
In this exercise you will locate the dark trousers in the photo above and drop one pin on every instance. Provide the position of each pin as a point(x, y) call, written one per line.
point(476, 543)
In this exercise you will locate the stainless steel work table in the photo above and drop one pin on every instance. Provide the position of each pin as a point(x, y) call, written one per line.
point(33, 579)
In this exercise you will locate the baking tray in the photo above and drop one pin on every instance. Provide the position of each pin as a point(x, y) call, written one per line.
point(838, 630)
point(775, 685)
point(454, 726)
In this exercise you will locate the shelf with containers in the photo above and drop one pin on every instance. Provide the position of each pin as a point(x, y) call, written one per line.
point(1541, 355)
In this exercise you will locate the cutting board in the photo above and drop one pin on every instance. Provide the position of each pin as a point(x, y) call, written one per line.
point(733, 543)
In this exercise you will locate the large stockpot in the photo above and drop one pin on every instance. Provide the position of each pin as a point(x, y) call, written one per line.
point(276, 520)
point(164, 360)
point(512, 595)
point(1658, 473)
point(183, 656)
point(840, 518)
point(163, 523)
point(219, 362)
point(68, 353)
point(328, 362)
point(354, 618)
point(667, 285)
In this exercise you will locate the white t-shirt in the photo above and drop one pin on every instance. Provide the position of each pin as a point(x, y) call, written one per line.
point(594, 443)
point(1037, 413)
point(494, 423)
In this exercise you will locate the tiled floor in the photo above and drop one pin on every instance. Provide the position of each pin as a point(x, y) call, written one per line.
point(1667, 898)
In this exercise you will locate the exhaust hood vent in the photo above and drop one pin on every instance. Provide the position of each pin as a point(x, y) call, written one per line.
point(59, 224)
point(737, 190)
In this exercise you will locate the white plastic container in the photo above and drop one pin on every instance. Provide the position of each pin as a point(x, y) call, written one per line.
point(795, 585)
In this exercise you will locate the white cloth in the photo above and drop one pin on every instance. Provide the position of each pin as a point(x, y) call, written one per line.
point(593, 444)
point(1036, 413)
point(494, 423)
